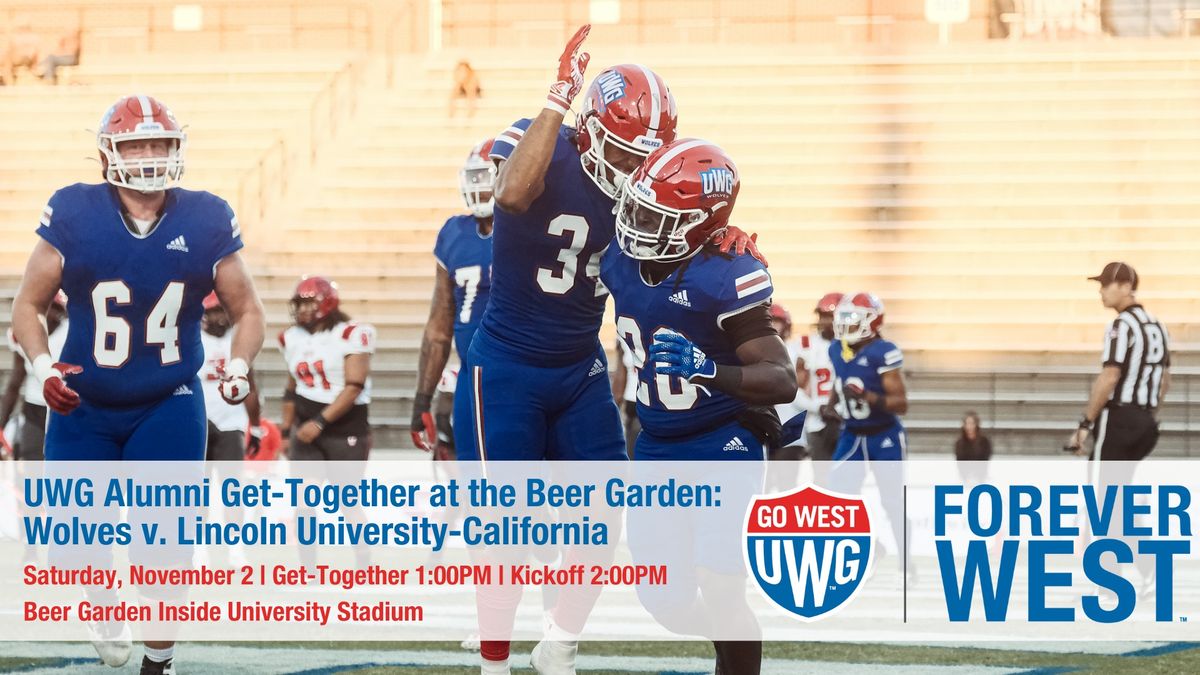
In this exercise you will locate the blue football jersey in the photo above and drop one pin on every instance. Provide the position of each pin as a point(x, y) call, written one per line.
point(864, 368)
point(547, 305)
point(466, 255)
point(692, 301)
point(136, 301)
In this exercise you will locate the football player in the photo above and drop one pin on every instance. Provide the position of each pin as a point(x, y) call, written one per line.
point(30, 439)
point(534, 380)
point(709, 366)
point(234, 431)
point(138, 255)
point(463, 282)
point(328, 390)
point(28, 389)
point(869, 395)
point(815, 373)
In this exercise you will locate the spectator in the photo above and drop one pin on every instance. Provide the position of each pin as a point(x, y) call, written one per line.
point(24, 49)
point(67, 54)
point(466, 86)
point(972, 450)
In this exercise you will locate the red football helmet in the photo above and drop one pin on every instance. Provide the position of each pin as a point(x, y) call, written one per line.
point(477, 180)
point(858, 317)
point(140, 118)
point(320, 290)
point(630, 107)
point(676, 201)
point(828, 303)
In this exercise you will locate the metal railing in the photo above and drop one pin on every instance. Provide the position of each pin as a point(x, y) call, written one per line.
point(336, 101)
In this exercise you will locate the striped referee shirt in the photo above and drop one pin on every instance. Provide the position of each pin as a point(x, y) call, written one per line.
point(1138, 344)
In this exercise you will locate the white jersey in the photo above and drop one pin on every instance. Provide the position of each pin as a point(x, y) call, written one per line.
point(223, 416)
point(317, 361)
point(814, 349)
point(31, 389)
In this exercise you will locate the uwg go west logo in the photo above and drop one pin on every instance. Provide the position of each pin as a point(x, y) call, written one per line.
point(808, 549)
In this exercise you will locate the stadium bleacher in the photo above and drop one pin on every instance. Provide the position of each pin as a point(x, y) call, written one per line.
point(972, 187)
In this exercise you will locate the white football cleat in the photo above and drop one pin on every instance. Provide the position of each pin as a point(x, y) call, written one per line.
point(114, 649)
point(494, 667)
point(554, 657)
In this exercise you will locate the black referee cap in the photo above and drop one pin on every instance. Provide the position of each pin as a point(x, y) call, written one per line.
point(1117, 272)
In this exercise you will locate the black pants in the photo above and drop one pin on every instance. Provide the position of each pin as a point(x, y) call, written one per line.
point(32, 445)
point(1124, 433)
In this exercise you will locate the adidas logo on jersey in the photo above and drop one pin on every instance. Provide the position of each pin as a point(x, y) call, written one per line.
point(680, 298)
point(183, 390)
point(887, 443)
point(597, 368)
point(735, 445)
point(178, 244)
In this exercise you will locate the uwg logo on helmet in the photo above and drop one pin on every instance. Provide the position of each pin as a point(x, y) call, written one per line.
point(808, 549)
point(716, 182)
point(612, 86)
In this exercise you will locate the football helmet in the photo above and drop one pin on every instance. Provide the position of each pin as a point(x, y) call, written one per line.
point(779, 313)
point(676, 201)
point(627, 107)
point(324, 296)
point(828, 303)
point(858, 317)
point(139, 118)
point(211, 301)
point(477, 180)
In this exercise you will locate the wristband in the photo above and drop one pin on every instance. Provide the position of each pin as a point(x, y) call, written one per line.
point(43, 368)
point(320, 421)
point(1084, 422)
point(236, 368)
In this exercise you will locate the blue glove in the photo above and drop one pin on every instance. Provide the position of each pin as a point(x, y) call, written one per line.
point(673, 354)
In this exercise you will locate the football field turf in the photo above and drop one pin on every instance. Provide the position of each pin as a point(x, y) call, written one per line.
point(610, 658)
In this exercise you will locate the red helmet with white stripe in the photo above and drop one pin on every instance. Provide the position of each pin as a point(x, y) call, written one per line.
point(319, 290)
point(858, 317)
point(628, 112)
point(156, 162)
point(477, 180)
point(676, 201)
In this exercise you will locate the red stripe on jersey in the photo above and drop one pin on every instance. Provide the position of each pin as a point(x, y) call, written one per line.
point(804, 341)
point(349, 329)
point(282, 343)
point(755, 278)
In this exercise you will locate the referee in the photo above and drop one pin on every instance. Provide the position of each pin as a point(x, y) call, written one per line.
point(1123, 406)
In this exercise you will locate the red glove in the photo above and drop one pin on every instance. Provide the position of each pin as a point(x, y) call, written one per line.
point(734, 238)
point(571, 66)
point(59, 397)
point(426, 436)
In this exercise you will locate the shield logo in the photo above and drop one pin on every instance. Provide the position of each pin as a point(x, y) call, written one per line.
point(808, 549)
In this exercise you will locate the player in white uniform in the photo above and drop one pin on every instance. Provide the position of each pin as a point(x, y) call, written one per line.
point(329, 388)
point(815, 372)
point(329, 377)
point(234, 430)
point(31, 438)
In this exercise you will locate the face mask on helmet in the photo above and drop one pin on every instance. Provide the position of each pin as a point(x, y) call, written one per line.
point(304, 312)
point(853, 324)
point(649, 231)
point(609, 160)
point(478, 183)
point(147, 160)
